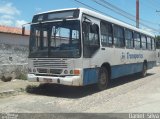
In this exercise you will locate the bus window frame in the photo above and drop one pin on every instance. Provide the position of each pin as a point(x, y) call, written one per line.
point(121, 27)
point(135, 32)
point(143, 35)
point(95, 47)
point(108, 35)
point(153, 40)
point(150, 43)
point(126, 29)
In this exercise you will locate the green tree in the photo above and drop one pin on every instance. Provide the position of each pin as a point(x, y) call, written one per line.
point(158, 42)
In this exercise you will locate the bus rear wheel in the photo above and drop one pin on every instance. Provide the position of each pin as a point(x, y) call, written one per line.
point(103, 79)
point(144, 70)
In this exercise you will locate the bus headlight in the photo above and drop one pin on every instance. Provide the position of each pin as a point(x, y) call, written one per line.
point(65, 72)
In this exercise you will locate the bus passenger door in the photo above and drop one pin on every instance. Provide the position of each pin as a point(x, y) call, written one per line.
point(90, 39)
point(91, 44)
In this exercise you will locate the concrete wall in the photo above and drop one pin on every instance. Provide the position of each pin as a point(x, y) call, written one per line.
point(13, 39)
point(13, 54)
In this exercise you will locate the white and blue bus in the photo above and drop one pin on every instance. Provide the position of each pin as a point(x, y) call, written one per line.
point(79, 47)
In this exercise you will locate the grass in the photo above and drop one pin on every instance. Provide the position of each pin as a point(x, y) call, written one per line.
point(22, 76)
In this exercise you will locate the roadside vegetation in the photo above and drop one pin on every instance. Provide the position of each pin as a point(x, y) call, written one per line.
point(158, 42)
point(19, 73)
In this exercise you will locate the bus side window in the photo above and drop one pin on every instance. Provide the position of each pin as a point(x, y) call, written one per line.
point(119, 36)
point(90, 34)
point(129, 38)
point(106, 34)
point(90, 39)
point(153, 44)
point(137, 40)
point(149, 43)
point(144, 42)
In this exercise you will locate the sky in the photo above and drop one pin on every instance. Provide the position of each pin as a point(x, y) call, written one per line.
point(16, 12)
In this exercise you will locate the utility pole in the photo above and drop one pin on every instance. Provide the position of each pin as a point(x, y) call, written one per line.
point(137, 13)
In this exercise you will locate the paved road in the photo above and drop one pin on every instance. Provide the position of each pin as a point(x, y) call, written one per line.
point(129, 94)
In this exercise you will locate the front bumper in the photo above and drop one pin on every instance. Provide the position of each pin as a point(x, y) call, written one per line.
point(67, 80)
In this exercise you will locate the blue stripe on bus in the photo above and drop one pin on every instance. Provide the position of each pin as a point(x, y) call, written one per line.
point(90, 75)
point(127, 69)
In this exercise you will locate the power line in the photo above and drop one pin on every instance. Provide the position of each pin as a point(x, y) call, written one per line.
point(152, 5)
point(113, 8)
point(93, 8)
point(108, 7)
point(117, 9)
point(90, 7)
point(120, 11)
point(155, 4)
point(128, 14)
point(149, 5)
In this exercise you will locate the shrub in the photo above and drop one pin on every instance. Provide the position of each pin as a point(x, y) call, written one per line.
point(22, 76)
point(6, 79)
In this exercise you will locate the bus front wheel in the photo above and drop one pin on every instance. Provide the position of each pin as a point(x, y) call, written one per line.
point(103, 79)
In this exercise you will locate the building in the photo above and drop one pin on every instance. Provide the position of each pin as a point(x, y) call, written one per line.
point(13, 51)
point(13, 36)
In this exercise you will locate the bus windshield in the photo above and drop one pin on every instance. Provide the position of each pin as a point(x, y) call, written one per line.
point(55, 39)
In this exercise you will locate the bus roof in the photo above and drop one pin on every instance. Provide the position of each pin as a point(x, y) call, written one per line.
point(104, 17)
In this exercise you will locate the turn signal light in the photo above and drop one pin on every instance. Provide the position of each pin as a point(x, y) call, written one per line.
point(76, 72)
point(65, 72)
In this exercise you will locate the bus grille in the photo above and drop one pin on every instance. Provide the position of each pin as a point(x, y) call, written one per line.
point(50, 63)
point(50, 71)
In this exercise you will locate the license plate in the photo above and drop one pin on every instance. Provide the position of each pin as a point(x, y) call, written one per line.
point(47, 80)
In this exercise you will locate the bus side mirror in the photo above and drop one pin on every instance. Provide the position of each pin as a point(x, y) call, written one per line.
point(23, 30)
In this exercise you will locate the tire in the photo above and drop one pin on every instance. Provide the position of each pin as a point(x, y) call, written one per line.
point(103, 79)
point(144, 70)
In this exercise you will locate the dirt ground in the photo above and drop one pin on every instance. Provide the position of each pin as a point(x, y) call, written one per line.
point(128, 94)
